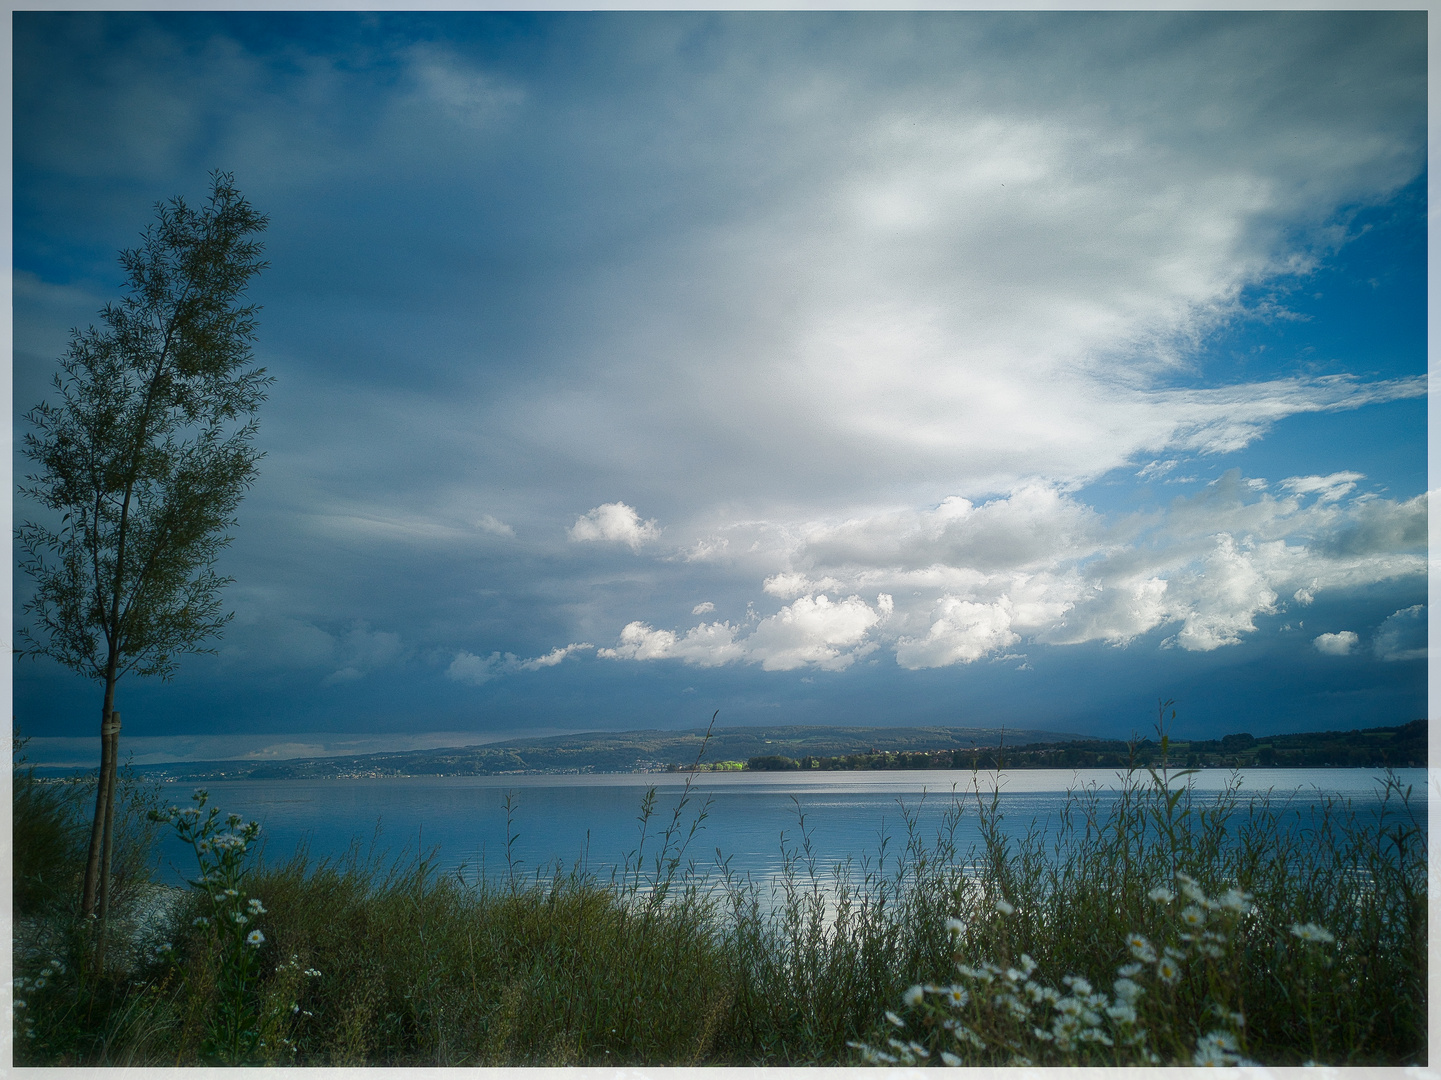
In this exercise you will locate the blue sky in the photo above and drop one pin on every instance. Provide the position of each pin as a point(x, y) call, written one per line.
point(872, 368)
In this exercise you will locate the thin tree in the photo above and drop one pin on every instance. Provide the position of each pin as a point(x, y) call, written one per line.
point(143, 455)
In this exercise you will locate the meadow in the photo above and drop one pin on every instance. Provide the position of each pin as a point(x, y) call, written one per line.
point(1161, 926)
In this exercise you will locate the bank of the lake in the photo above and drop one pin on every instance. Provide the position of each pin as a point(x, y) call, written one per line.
point(1054, 918)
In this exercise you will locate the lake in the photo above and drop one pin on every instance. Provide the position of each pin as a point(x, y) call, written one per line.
point(592, 819)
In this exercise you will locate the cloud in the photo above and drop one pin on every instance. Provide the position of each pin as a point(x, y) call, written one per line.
point(555, 656)
point(1403, 636)
point(887, 295)
point(787, 586)
point(269, 640)
point(479, 670)
point(1221, 596)
point(614, 523)
point(1338, 644)
point(492, 524)
point(963, 631)
point(703, 608)
point(364, 650)
point(994, 282)
point(963, 580)
point(1326, 488)
point(460, 92)
point(813, 631)
point(476, 670)
point(1034, 524)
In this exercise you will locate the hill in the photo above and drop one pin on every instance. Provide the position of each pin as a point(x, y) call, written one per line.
point(615, 751)
point(827, 747)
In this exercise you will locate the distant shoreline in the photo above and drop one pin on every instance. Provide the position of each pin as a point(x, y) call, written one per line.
point(823, 749)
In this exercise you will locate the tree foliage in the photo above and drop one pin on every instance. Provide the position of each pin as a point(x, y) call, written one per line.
point(147, 450)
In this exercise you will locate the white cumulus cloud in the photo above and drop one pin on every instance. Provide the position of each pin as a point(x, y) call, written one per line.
point(706, 645)
point(614, 523)
point(813, 631)
point(1338, 644)
point(963, 631)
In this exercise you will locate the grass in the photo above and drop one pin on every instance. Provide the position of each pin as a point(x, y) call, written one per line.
point(399, 964)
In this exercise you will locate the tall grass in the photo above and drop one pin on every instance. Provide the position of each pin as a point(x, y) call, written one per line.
point(667, 964)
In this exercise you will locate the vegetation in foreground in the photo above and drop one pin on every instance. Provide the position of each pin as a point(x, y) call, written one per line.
point(1161, 925)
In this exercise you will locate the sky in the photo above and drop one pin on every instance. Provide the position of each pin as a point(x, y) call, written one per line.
point(946, 368)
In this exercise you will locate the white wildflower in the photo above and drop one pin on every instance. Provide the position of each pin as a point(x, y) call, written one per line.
point(1217, 1048)
point(1168, 970)
point(1192, 915)
point(1141, 948)
point(951, 1059)
point(1027, 964)
point(1311, 932)
point(893, 1018)
point(954, 927)
point(255, 939)
point(913, 996)
point(1235, 900)
point(256, 907)
point(1128, 991)
point(1005, 907)
point(1161, 896)
point(1123, 1013)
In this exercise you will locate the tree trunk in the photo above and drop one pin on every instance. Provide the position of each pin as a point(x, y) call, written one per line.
point(103, 795)
point(106, 847)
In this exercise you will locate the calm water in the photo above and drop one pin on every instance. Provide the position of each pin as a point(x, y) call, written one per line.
point(751, 817)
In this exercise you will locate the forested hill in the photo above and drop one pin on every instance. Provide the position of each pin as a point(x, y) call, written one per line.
point(795, 747)
point(1396, 747)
